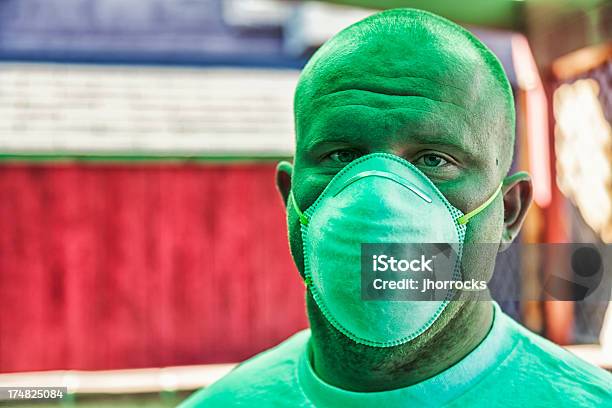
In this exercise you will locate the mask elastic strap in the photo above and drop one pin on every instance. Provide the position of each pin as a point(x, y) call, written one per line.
point(302, 217)
point(465, 218)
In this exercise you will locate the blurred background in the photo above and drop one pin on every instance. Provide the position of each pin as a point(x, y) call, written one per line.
point(143, 246)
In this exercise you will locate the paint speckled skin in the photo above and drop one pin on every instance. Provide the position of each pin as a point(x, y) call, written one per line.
point(408, 83)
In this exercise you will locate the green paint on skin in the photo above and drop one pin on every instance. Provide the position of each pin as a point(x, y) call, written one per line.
point(412, 84)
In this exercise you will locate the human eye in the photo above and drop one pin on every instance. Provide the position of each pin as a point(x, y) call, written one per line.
point(431, 161)
point(342, 156)
point(437, 165)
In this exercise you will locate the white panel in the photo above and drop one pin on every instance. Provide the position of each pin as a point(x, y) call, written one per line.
point(93, 109)
point(256, 13)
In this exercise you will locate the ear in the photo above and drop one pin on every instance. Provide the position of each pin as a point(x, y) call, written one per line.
point(284, 170)
point(517, 193)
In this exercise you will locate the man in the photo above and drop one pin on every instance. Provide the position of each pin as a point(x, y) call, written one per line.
point(404, 133)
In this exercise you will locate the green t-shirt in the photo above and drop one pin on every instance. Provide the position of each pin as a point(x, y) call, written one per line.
point(511, 367)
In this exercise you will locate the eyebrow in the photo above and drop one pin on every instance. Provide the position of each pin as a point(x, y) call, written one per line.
point(319, 142)
point(449, 140)
point(452, 142)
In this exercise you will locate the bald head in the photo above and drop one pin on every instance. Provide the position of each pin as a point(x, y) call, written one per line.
point(411, 84)
point(444, 80)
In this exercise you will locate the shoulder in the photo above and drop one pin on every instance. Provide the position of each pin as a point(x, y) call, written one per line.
point(559, 376)
point(262, 378)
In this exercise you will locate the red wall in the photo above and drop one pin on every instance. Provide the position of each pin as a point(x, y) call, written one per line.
point(108, 266)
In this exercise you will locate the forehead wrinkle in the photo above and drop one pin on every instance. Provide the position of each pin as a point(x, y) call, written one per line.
point(327, 116)
point(411, 124)
point(391, 96)
point(446, 115)
point(439, 83)
point(342, 76)
point(398, 96)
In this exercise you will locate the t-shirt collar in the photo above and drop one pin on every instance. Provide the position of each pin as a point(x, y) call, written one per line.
point(436, 391)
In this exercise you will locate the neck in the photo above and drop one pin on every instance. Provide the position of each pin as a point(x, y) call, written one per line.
point(345, 364)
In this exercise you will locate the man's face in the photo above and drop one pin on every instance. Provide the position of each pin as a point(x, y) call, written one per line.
point(425, 107)
point(424, 102)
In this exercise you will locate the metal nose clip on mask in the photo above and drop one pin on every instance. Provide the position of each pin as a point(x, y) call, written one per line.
point(378, 198)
